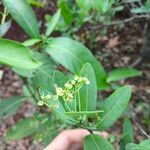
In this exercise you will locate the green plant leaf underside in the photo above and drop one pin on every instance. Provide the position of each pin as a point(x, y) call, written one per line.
point(16, 55)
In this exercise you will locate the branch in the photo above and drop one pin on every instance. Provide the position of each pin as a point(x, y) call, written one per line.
point(147, 16)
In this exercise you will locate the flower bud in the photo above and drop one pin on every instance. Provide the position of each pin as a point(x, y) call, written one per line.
point(40, 103)
point(87, 82)
point(56, 106)
point(68, 85)
point(59, 91)
point(48, 96)
point(76, 78)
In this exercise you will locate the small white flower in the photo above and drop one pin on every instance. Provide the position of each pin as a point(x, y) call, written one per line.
point(56, 106)
point(40, 103)
point(84, 79)
point(73, 82)
point(59, 91)
point(87, 82)
point(69, 96)
point(76, 78)
point(80, 79)
point(68, 85)
point(48, 96)
point(55, 97)
point(42, 96)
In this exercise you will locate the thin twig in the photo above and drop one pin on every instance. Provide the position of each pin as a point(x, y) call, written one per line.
point(145, 29)
point(29, 89)
point(137, 124)
point(121, 21)
point(4, 16)
point(144, 133)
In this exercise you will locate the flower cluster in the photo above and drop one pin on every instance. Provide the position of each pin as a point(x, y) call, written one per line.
point(67, 92)
point(71, 87)
point(46, 98)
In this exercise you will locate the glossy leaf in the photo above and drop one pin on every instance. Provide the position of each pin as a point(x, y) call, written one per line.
point(48, 129)
point(10, 106)
point(22, 128)
point(95, 142)
point(31, 42)
point(80, 113)
point(35, 3)
point(59, 78)
point(52, 24)
point(24, 72)
point(66, 11)
point(127, 134)
point(88, 93)
point(122, 73)
point(144, 145)
point(16, 55)
point(114, 106)
point(73, 55)
point(4, 28)
point(23, 14)
point(45, 69)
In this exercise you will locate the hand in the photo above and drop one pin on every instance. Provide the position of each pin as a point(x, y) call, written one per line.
point(68, 140)
point(71, 139)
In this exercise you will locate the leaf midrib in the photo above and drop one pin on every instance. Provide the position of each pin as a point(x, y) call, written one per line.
point(65, 49)
point(113, 107)
point(9, 106)
point(30, 27)
point(98, 148)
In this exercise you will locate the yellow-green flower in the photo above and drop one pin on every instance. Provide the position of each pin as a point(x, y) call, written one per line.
point(59, 91)
point(68, 85)
point(40, 103)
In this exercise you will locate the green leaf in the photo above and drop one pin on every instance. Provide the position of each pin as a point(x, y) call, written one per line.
point(16, 55)
point(95, 142)
point(127, 134)
point(114, 106)
point(144, 145)
point(73, 55)
point(59, 78)
point(48, 128)
point(10, 106)
point(78, 113)
point(22, 129)
point(122, 73)
point(24, 72)
point(43, 74)
point(66, 11)
point(88, 93)
point(47, 134)
point(52, 24)
point(23, 14)
point(43, 77)
point(85, 5)
point(132, 146)
point(31, 42)
point(45, 69)
point(35, 3)
point(4, 28)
